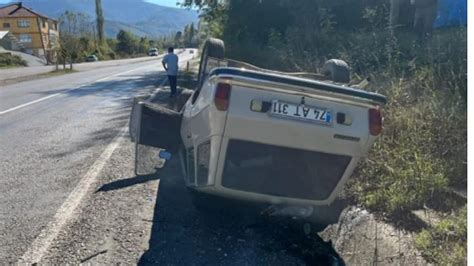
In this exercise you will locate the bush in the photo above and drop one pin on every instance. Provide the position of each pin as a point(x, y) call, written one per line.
point(112, 55)
point(403, 170)
point(9, 60)
point(423, 148)
point(105, 52)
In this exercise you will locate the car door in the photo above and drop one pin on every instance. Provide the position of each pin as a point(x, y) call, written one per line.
point(155, 131)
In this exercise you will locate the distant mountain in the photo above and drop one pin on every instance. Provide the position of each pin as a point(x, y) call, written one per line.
point(139, 17)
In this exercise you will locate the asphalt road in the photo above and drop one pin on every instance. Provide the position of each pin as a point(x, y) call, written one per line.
point(10, 74)
point(68, 193)
point(51, 132)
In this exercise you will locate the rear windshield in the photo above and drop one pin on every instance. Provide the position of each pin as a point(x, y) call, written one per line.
point(282, 171)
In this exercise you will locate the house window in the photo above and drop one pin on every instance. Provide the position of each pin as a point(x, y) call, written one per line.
point(23, 23)
point(6, 25)
point(25, 38)
point(52, 38)
point(44, 23)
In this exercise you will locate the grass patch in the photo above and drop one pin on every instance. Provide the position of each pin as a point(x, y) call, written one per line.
point(9, 61)
point(408, 164)
point(446, 242)
point(61, 72)
point(423, 148)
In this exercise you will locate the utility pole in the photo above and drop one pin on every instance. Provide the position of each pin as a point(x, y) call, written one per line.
point(100, 20)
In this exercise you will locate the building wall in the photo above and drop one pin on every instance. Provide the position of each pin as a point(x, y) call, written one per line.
point(49, 31)
point(32, 31)
point(40, 30)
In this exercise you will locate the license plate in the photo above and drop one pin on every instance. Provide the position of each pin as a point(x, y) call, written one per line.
point(301, 112)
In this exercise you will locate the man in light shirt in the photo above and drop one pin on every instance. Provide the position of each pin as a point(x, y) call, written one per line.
point(170, 64)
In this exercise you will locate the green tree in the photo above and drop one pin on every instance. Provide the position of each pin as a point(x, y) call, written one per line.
point(127, 44)
point(178, 39)
point(144, 45)
point(75, 36)
point(213, 12)
point(189, 35)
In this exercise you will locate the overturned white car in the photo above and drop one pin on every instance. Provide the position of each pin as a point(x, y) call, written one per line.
point(257, 135)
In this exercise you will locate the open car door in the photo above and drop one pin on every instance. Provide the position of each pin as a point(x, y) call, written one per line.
point(155, 130)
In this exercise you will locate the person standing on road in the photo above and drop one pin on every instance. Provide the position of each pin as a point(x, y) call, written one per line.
point(170, 64)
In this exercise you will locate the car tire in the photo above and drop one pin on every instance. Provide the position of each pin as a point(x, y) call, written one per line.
point(212, 48)
point(215, 48)
point(337, 70)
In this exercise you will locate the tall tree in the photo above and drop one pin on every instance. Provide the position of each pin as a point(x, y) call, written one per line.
point(127, 43)
point(100, 20)
point(191, 33)
point(178, 38)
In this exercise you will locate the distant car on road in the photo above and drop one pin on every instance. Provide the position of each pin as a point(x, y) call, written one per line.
point(153, 52)
point(92, 58)
point(191, 51)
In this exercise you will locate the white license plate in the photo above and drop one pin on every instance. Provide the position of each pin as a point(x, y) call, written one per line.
point(301, 112)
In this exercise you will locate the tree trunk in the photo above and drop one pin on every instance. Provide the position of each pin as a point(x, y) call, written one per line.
point(100, 20)
point(394, 13)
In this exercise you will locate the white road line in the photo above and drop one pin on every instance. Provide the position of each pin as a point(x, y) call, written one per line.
point(41, 244)
point(69, 208)
point(28, 103)
point(57, 94)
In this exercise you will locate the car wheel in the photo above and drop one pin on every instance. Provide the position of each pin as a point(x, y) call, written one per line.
point(337, 70)
point(215, 48)
point(212, 48)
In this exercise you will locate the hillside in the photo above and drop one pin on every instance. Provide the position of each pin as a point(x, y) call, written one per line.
point(139, 17)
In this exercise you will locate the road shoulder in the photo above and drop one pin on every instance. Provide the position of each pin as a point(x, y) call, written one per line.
point(115, 222)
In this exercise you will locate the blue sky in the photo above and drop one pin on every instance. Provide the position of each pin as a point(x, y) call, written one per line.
point(171, 3)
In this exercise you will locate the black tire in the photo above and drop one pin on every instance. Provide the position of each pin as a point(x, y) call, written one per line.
point(215, 48)
point(337, 70)
point(212, 48)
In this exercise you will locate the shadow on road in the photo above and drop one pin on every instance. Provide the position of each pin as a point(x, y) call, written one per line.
point(123, 183)
point(237, 235)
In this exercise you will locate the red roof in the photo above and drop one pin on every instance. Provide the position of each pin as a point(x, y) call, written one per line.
point(18, 10)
